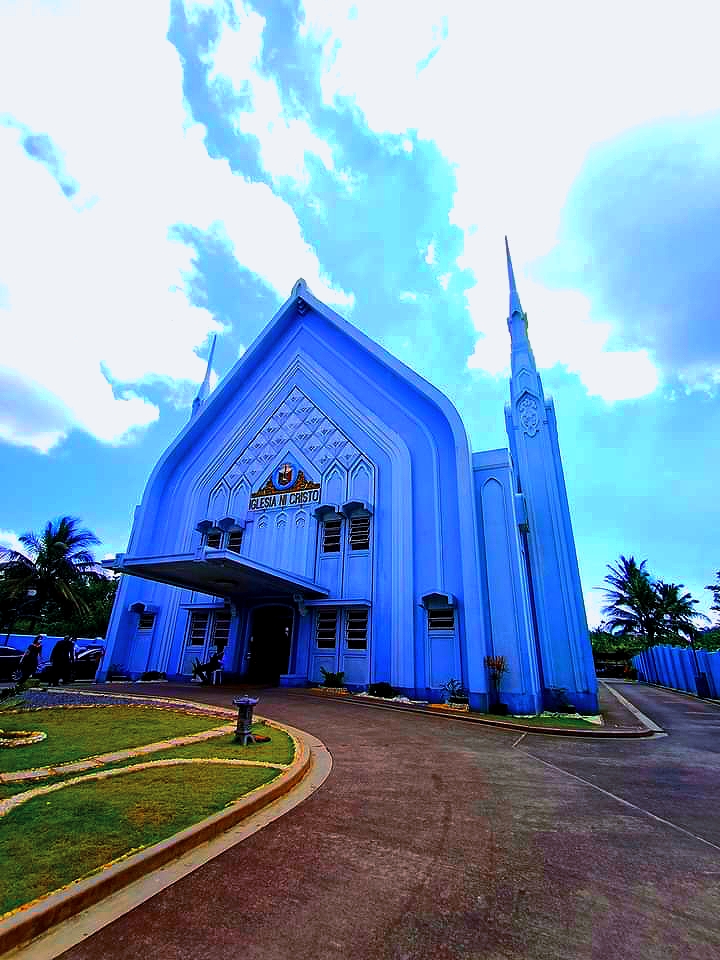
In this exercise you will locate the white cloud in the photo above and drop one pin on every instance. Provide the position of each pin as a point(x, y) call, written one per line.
point(10, 540)
point(93, 290)
point(429, 255)
point(561, 331)
point(236, 59)
point(514, 97)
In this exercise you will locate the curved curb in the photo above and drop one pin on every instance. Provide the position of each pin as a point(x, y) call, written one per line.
point(31, 922)
point(615, 733)
point(635, 711)
point(711, 701)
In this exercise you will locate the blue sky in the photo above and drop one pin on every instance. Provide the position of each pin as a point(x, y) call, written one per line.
point(170, 171)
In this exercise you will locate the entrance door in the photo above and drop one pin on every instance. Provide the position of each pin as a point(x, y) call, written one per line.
point(269, 647)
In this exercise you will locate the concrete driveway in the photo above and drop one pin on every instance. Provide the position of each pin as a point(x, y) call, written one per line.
point(440, 839)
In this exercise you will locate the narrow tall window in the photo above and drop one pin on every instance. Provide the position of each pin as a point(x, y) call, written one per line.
point(221, 628)
point(198, 628)
point(360, 533)
point(331, 536)
point(234, 541)
point(356, 628)
point(326, 628)
point(146, 622)
point(214, 539)
point(441, 618)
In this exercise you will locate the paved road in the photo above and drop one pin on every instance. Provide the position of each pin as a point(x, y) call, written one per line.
point(437, 839)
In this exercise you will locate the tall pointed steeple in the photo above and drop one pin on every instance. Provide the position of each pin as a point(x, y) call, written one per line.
point(204, 390)
point(514, 298)
point(521, 351)
point(560, 623)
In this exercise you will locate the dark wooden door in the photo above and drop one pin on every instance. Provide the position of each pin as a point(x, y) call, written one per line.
point(270, 639)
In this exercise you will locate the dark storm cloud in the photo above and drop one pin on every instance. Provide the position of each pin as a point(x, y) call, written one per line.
point(640, 237)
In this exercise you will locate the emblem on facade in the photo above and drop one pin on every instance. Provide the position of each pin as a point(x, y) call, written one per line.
point(287, 486)
point(284, 475)
point(529, 416)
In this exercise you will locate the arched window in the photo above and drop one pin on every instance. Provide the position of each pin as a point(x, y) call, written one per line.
point(441, 612)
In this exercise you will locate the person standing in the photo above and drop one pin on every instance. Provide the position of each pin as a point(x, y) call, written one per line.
point(31, 658)
point(62, 659)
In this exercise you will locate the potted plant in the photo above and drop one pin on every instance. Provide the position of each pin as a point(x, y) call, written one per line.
point(455, 694)
point(497, 668)
point(332, 682)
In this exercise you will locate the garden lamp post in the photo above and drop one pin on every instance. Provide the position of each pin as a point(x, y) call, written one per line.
point(243, 732)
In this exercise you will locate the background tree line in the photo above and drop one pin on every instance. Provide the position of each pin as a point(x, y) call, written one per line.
point(55, 585)
point(642, 610)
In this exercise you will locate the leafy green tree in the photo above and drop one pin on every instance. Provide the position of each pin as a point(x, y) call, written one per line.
point(98, 596)
point(708, 639)
point(58, 563)
point(645, 610)
point(677, 613)
point(606, 644)
point(714, 589)
point(632, 606)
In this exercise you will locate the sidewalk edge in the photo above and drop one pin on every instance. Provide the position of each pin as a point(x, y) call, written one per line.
point(599, 733)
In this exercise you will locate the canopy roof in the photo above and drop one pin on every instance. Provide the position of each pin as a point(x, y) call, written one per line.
point(221, 573)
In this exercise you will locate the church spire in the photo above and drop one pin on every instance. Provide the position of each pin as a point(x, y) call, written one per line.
point(521, 351)
point(204, 390)
point(514, 298)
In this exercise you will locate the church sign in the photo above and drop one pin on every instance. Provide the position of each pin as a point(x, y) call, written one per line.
point(286, 487)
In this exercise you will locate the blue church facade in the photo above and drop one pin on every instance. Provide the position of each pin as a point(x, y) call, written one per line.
point(323, 509)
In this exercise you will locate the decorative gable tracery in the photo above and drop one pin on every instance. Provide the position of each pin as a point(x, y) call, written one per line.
point(299, 420)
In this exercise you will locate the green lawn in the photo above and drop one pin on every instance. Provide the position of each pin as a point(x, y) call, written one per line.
point(279, 750)
point(567, 722)
point(73, 734)
point(52, 840)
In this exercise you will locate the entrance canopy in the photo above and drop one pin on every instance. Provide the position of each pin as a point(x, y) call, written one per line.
point(221, 573)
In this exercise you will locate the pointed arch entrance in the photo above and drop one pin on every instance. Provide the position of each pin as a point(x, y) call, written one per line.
point(271, 632)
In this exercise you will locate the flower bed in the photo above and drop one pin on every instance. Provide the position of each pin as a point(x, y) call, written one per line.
point(20, 738)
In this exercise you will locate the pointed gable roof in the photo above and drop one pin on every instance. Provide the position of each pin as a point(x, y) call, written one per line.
point(298, 304)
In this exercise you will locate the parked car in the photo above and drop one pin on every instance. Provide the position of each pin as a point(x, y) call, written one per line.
point(10, 659)
point(87, 661)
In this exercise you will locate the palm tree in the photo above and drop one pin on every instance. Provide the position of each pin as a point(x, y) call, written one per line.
point(678, 612)
point(632, 609)
point(57, 564)
point(648, 610)
point(714, 588)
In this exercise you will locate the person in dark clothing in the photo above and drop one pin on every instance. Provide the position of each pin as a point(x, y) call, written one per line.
point(206, 670)
point(30, 659)
point(62, 659)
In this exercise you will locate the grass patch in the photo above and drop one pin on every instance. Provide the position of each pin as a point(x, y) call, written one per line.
point(279, 750)
point(568, 722)
point(73, 734)
point(51, 841)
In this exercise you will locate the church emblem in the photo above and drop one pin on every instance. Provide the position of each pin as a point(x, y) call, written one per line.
point(284, 475)
point(287, 486)
point(529, 417)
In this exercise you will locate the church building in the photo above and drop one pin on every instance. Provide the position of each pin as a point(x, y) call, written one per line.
point(323, 509)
